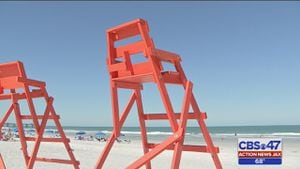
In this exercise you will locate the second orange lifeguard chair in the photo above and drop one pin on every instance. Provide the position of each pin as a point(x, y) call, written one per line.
point(128, 75)
point(14, 87)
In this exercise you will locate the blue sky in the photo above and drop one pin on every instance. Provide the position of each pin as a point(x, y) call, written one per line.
point(243, 57)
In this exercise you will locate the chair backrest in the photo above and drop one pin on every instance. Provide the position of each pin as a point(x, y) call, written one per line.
point(12, 69)
point(119, 54)
point(8, 72)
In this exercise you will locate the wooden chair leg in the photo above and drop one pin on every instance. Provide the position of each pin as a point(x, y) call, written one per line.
point(2, 164)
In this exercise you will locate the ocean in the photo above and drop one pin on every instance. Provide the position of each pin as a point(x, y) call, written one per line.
point(193, 134)
point(219, 131)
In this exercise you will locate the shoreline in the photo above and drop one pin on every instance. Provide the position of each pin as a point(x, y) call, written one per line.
point(122, 154)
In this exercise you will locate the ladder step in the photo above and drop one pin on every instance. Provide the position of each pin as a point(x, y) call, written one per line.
point(29, 117)
point(47, 139)
point(57, 161)
point(193, 148)
point(163, 116)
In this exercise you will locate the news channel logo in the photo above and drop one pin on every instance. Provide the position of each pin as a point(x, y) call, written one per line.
point(259, 151)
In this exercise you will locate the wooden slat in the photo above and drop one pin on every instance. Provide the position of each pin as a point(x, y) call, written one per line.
point(141, 68)
point(125, 30)
point(11, 82)
point(163, 116)
point(47, 139)
point(33, 94)
point(117, 67)
point(193, 148)
point(29, 117)
point(31, 82)
point(172, 77)
point(132, 48)
point(141, 78)
point(56, 160)
point(128, 85)
point(166, 56)
point(142, 72)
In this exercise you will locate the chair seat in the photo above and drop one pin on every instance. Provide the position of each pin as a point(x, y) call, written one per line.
point(168, 77)
point(141, 78)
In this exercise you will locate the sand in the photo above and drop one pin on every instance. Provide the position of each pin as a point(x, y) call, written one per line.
point(122, 154)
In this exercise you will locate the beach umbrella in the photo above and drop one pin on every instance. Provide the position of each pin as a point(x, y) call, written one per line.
point(100, 135)
point(49, 131)
point(30, 130)
point(80, 133)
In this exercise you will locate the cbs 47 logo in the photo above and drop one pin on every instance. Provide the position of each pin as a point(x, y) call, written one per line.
point(259, 144)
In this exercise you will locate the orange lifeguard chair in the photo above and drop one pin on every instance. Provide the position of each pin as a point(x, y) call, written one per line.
point(2, 164)
point(15, 86)
point(128, 75)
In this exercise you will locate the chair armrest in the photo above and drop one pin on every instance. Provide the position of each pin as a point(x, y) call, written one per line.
point(31, 82)
point(166, 56)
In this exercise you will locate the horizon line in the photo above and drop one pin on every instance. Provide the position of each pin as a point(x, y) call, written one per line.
point(198, 126)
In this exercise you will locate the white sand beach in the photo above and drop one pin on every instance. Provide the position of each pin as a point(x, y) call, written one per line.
point(122, 154)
